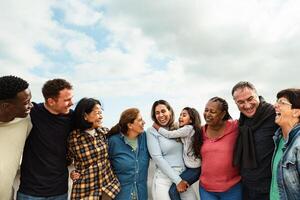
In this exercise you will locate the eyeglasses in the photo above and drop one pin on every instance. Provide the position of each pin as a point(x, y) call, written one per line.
point(283, 102)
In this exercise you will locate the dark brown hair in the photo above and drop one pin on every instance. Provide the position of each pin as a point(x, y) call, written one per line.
point(52, 87)
point(163, 102)
point(291, 94)
point(197, 137)
point(223, 105)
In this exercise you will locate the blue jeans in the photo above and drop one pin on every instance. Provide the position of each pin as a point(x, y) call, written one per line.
point(190, 175)
point(22, 196)
point(234, 193)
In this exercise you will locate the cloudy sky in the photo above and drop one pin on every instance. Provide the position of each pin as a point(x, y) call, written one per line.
point(129, 53)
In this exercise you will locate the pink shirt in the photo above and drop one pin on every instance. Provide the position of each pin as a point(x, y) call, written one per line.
point(217, 171)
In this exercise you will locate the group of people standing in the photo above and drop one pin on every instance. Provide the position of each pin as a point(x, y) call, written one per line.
point(256, 157)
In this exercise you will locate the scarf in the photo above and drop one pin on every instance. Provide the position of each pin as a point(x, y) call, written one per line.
point(244, 153)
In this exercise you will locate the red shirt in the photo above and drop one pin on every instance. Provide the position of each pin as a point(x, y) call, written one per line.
point(217, 171)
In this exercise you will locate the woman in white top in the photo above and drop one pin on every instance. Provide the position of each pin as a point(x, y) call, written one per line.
point(190, 135)
point(167, 155)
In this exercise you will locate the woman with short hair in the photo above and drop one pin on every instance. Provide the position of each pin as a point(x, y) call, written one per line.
point(285, 183)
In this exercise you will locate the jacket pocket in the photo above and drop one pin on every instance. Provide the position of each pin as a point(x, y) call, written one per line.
point(291, 176)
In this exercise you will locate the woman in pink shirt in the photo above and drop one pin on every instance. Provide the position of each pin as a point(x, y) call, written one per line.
point(219, 179)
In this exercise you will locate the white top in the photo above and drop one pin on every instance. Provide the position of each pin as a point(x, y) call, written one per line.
point(185, 133)
point(13, 135)
point(166, 154)
point(91, 132)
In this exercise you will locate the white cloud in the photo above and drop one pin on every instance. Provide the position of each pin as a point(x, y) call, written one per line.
point(208, 46)
point(20, 31)
point(78, 12)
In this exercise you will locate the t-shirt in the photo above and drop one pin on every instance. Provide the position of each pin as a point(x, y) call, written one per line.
point(44, 169)
point(131, 142)
point(12, 139)
point(274, 192)
point(217, 171)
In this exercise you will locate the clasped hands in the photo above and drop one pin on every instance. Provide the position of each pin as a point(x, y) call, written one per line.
point(182, 186)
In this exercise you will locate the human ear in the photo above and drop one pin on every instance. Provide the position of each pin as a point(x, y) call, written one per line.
point(223, 114)
point(50, 101)
point(85, 116)
point(129, 126)
point(296, 113)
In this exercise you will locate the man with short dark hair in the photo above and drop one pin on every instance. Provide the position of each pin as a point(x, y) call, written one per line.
point(15, 125)
point(254, 148)
point(44, 172)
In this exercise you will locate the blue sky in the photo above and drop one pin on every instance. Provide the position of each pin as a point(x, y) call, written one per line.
point(130, 53)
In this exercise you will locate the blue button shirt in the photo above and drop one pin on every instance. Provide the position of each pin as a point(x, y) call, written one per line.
point(131, 167)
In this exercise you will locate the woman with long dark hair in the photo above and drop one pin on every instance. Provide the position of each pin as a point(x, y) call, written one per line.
point(191, 136)
point(167, 155)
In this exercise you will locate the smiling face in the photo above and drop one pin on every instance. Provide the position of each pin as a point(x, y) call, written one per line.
point(162, 115)
point(184, 118)
point(94, 117)
point(247, 101)
point(287, 108)
point(138, 125)
point(213, 114)
point(61, 104)
point(284, 112)
point(22, 105)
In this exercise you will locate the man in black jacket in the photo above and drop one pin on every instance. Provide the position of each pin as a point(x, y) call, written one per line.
point(254, 147)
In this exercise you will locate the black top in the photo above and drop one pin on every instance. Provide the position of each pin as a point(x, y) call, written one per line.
point(259, 178)
point(44, 169)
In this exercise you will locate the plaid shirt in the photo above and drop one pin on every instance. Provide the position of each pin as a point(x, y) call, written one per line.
point(91, 160)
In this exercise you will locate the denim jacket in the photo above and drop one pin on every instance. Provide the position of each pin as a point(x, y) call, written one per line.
point(288, 177)
point(131, 167)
